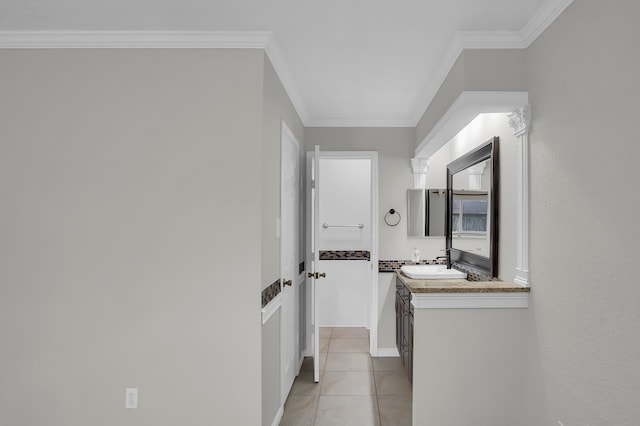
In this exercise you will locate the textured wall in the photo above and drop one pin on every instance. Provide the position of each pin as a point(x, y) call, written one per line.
point(584, 355)
point(128, 188)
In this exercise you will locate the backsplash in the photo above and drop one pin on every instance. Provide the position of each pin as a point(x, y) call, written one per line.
point(345, 255)
point(392, 265)
point(269, 293)
point(472, 273)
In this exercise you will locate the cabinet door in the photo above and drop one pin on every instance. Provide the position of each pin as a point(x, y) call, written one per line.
point(399, 322)
point(405, 335)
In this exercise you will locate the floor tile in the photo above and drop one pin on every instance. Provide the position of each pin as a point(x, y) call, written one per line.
point(324, 345)
point(325, 332)
point(387, 363)
point(350, 333)
point(304, 385)
point(392, 382)
point(349, 345)
point(395, 410)
point(348, 361)
point(300, 411)
point(347, 383)
point(347, 411)
point(323, 361)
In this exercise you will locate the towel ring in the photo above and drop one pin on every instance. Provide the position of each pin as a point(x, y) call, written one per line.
point(391, 213)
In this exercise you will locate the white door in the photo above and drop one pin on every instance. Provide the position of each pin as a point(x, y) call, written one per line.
point(313, 177)
point(289, 213)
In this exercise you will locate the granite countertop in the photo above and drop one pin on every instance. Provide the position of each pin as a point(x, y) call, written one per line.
point(459, 286)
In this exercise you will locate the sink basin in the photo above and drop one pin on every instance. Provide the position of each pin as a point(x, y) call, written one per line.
point(428, 272)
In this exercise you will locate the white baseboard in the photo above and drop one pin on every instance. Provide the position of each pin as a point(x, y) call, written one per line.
point(278, 417)
point(387, 352)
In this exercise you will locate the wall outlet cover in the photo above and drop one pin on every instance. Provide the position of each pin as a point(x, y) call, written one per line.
point(131, 398)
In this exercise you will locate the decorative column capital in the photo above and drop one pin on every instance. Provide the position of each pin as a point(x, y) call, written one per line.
point(520, 119)
point(475, 175)
point(477, 169)
point(420, 165)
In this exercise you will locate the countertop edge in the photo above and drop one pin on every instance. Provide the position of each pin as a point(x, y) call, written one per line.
point(436, 286)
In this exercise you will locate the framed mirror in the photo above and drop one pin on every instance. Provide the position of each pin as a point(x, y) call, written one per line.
point(472, 209)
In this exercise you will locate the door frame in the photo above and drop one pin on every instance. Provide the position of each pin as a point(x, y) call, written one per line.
point(372, 292)
point(287, 133)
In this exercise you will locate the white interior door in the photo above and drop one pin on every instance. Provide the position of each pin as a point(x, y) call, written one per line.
point(313, 256)
point(289, 213)
point(315, 273)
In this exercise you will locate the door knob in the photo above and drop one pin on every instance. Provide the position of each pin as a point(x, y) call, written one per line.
point(287, 282)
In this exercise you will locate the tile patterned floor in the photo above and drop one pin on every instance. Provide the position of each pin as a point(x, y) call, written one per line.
point(354, 388)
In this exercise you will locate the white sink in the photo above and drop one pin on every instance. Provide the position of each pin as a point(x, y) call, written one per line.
point(428, 272)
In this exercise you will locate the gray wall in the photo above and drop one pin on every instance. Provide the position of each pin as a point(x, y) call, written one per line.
point(277, 107)
point(475, 70)
point(271, 368)
point(129, 209)
point(582, 351)
point(584, 354)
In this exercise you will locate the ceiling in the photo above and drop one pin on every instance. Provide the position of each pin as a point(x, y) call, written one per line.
point(343, 62)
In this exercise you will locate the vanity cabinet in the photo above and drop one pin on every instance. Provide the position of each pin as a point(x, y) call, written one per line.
point(404, 327)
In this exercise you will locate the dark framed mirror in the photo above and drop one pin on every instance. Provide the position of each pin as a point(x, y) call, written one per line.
point(473, 185)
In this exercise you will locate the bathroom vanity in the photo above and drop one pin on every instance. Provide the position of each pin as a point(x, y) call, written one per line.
point(448, 293)
point(461, 343)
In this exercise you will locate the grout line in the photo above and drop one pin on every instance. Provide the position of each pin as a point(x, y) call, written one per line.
point(315, 415)
point(375, 388)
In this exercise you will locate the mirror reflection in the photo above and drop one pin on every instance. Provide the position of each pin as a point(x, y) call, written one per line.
point(470, 209)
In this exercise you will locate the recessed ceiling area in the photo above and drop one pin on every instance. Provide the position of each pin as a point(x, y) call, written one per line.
point(343, 63)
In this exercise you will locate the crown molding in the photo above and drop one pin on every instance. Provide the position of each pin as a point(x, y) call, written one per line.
point(361, 122)
point(265, 40)
point(134, 39)
point(160, 40)
point(280, 65)
point(542, 19)
point(514, 39)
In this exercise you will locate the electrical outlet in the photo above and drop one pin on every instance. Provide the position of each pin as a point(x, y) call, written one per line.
point(131, 398)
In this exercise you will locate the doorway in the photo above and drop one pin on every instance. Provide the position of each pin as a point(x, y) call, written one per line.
point(342, 232)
